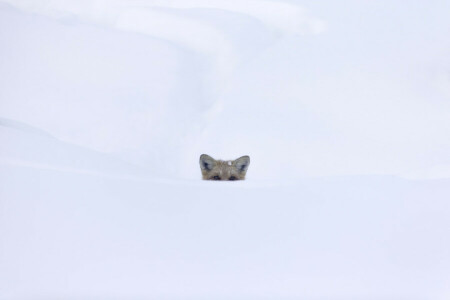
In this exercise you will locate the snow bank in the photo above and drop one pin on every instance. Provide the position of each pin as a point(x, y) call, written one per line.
point(75, 235)
point(105, 107)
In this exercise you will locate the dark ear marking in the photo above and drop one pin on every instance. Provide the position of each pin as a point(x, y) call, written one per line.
point(206, 166)
point(242, 163)
point(206, 162)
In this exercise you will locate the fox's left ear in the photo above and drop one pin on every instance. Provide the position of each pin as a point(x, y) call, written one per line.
point(242, 163)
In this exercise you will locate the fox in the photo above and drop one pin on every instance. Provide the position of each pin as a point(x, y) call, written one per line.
point(231, 170)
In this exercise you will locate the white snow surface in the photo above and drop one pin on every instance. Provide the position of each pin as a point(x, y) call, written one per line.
point(343, 107)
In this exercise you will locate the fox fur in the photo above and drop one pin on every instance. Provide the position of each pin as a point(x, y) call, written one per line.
point(224, 169)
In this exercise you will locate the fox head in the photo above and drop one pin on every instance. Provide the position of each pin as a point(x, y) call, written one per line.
point(224, 170)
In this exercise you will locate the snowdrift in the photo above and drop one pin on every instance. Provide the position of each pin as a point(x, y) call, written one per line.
point(105, 108)
point(83, 230)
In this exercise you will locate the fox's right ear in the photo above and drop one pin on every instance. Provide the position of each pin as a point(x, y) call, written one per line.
point(207, 162)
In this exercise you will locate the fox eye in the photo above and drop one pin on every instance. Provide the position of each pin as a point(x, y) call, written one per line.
point(232, 178)
point(216, 178)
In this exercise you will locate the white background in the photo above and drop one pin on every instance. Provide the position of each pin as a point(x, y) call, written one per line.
point(343, 107)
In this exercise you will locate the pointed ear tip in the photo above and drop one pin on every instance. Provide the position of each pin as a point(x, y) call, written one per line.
point(204, 158)
point(243, 160)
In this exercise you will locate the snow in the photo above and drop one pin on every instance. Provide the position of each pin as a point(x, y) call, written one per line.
point(106, 106)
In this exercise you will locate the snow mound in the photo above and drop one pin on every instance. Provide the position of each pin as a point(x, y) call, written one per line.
point(29, 147)
point(106, 106)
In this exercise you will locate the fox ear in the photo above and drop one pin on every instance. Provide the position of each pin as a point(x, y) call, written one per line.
point(242, 163)
point(206, 162)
